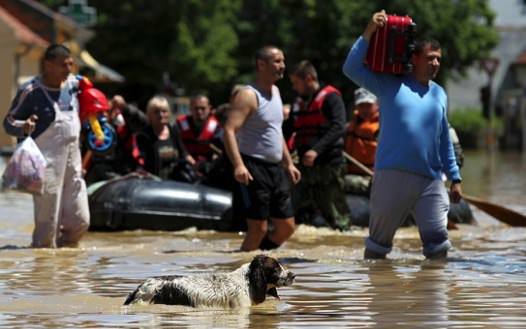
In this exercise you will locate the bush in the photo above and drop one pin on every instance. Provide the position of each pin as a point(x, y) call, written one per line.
point(469, 124)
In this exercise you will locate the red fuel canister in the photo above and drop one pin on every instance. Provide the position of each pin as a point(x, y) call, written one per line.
point(391, 46)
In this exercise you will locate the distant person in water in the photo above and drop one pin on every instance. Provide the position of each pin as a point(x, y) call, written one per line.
point(319, 127)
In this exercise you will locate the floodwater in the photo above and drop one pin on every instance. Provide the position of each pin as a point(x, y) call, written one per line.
point(481, 285)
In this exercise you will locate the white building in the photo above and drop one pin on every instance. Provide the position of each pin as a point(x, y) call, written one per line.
point(509, 80)
point(510, 21)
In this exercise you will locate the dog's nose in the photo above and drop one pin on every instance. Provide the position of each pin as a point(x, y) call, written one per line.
point(291, 276)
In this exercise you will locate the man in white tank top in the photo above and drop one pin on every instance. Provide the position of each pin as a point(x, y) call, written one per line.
point(255, 145)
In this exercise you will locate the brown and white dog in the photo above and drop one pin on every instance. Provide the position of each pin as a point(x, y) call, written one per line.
point(248, 285)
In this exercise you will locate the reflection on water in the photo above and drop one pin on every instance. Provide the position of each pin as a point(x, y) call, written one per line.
point(482, 285)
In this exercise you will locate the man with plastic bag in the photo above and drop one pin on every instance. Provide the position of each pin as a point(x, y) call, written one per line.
point(46, 108)
point(26, 169)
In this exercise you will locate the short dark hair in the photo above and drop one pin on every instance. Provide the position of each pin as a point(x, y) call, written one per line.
point(55, 51)
point(421, 43)
point(264, 53)
point(304, 68)
point(195, 97)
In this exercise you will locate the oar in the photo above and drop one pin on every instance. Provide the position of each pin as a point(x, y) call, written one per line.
point(505, 215)
point(358, 164)
point(216, 149)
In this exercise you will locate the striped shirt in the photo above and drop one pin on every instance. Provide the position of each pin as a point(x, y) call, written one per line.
point(34, 98)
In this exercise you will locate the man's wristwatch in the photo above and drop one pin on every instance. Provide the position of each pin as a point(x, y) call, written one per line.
point(456, 181)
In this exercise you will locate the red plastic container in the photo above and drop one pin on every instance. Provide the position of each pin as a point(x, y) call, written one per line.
point(391, 46)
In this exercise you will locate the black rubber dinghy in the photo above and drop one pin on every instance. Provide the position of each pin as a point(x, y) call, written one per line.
point(459, 213)
point(137, 201)
point(143, 202)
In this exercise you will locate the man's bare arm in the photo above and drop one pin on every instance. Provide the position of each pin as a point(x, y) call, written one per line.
point(287, 159)
point(292, 171)
point(242, 105)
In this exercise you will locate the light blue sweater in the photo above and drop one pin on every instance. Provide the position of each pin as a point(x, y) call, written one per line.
point(414, 133)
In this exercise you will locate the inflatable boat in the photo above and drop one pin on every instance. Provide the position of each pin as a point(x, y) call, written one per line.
point(139, 201)
point(459, 213)
point(146, 202)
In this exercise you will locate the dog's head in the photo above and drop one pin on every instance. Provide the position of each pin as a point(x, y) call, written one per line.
point(265, 274)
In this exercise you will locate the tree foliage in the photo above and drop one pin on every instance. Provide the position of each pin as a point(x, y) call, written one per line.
point(464, 29)
point(190, 41)
point(209, 44)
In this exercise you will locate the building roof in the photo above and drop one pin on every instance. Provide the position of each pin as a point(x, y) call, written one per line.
point(102, 72)
point(35, 24)
point(38, 18)
point(21, 31)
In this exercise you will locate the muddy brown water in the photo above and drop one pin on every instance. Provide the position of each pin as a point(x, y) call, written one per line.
point(481, 285)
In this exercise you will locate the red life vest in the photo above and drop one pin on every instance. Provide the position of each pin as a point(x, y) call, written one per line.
point(361, 141)
point(310, 123)
point(197, 145)
point(136, 153)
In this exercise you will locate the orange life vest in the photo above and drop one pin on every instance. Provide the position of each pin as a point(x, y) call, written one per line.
point(310, 123)
point(361, 141)
point(197, 145)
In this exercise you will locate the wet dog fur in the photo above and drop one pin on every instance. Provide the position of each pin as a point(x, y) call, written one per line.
point(247, 285)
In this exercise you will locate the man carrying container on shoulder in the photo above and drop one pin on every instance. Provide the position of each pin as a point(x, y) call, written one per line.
point(413, 148)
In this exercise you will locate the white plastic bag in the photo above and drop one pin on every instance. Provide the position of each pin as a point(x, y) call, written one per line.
point(26, 169)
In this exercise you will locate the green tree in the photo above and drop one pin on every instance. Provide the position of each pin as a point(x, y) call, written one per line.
point(464, 29)
point(320, 31)
point(323, 31)
point(190, 40)
point(203, 46)
point(209, 45)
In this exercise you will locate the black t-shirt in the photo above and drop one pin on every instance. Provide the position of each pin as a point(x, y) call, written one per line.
point(161, 156)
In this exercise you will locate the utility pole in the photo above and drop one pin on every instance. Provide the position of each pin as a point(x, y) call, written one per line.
point(490, 66)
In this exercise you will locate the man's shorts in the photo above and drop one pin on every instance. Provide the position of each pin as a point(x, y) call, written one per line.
point(269, 194)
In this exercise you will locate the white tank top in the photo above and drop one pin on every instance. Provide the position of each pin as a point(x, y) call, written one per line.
point(261, 135)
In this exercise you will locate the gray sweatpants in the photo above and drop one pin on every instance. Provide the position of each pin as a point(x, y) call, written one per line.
point(394, 195)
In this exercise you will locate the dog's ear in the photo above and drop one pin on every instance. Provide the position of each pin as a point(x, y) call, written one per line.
point(273, 292)
point(257, 280)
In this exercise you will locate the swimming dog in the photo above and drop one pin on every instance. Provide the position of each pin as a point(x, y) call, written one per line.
point(247, 285)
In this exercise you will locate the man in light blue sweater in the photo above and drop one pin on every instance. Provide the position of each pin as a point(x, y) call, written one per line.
point(414, 148)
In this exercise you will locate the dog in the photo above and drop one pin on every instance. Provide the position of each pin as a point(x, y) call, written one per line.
point(248, 285)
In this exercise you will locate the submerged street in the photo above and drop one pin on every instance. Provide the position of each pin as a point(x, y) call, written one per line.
point(481, 285)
